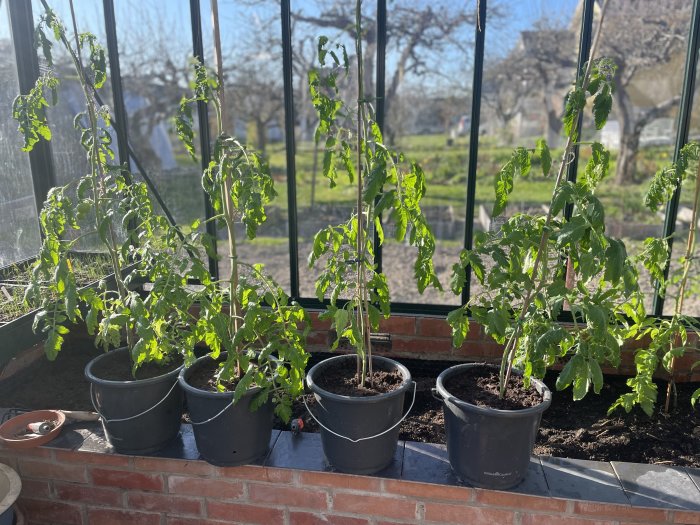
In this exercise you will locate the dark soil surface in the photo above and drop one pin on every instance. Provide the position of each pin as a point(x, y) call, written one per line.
point(479, 386)
point(120, 369)
point(341, 379)
point(569, 429)
point(203, 377)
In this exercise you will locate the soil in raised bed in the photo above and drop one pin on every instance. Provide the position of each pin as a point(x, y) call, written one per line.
point(571, 429)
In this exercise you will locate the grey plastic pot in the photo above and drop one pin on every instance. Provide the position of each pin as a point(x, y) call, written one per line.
point(226, 434)
point(10, 487)
point(359, 418)
point(488, 447)
point(138, 416)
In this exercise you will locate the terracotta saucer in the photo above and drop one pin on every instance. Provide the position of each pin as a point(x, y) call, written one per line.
point(14, 434)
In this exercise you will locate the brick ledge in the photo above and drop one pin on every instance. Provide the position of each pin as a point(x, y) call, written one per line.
point(78, 480)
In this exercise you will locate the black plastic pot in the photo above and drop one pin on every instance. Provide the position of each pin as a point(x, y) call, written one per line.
point(150, 410)
point(359, 418)
point(225, 434)
point(488, 447)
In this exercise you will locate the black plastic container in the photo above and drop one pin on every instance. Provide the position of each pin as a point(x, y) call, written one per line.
point(358, 418)
point(487, 447)
point(237, 435)
point(151, 408)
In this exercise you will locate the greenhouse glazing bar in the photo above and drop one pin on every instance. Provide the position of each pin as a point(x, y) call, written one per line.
point(474, 139)
point(204, 137)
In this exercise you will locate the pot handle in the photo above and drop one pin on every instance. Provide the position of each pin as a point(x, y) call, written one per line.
point(120, 420)
point(392, 427)
point(436, 395)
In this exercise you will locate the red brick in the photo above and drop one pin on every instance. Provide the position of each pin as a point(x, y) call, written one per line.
point(339, 481)
point(426, 347)
point(177, 466)
point(87, 494)
point(687, 517)
point(549, 519)
point(374, 505)
point(483, 350)
point(434, 327)
point(307, 518)
point(251, 472)
point(428, 490)
point(127, 479)
point(54, 512)
point(446, 513)
point(164, 503)
point(177, 520)
point(91, 458)
point(398, 325)
point(121, 517)
point(299, 497)
point(244, 513)
point(205, 487)
point(10, 461)
point(318, 324)
point(35, 488)
point(46, 470)
point(38, 452)
point(587, 508)
point(318, 338)
point(495, 498)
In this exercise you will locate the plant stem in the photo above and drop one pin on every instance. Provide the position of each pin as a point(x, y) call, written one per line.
point(512, 343)
point(687, 262)
point(229, 215)
point(362, 320)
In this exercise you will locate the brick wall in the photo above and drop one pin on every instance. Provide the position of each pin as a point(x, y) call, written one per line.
point(425, 337)
point(66, 487)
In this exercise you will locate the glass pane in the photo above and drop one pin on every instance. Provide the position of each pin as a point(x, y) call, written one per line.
point(19, 235)
point(318, 205)
point(154, 56)
point(69, 157)
point(430, 63)
point(529, 65)
point(648, 42)
point(252, 61)
point(691, 306)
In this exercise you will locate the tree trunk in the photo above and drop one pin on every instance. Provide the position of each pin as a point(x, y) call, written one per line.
point(261, 135)
point(629, 138)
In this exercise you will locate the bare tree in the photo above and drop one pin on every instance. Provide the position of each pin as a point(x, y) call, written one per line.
point(641, 35)
point(419, 38)
point(540, 67)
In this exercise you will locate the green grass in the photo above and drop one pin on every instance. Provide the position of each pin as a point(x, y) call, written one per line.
point(445, 167)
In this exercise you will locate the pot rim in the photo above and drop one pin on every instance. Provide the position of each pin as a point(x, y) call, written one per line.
point(318, 367)
point(524, 412)
point(15, 487)
point(127, 383)
point(206, 393)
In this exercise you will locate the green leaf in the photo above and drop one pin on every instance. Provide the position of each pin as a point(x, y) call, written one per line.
point(542, 151)
point(572, 231)
point(459, 322)
point(503, 187)
point(615, 256)
point(602, 104)
point(575, 102)
point(596, 374)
